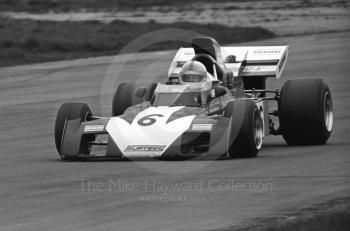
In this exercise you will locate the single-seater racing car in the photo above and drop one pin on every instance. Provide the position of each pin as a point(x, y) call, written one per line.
point(214, 102)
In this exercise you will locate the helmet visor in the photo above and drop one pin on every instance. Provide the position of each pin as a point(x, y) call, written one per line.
point(193, 78)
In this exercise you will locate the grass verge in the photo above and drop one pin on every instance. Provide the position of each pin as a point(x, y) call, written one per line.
point(332, 215)
point(76, 5)
point(28, 41)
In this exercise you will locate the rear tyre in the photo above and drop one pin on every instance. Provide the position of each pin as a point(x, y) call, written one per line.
point(70, 111)
point(151, 87)
point(305, 112)
point(124, 97)
point(246, 131)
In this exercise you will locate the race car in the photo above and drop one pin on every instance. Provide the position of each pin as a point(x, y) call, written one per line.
point(214, 102)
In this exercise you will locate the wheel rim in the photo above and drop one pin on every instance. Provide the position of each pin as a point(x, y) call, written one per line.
point(258, 130)
point(88, 113)
point(328, 112)
point(63, 157)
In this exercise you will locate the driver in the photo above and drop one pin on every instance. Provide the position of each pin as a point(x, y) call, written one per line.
point(193, 72)
point(195, 76)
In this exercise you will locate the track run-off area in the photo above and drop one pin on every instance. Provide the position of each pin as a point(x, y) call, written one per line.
point(38, 191)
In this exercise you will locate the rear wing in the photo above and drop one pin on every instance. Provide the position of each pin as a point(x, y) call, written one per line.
point(268, 61)
point(264, 61)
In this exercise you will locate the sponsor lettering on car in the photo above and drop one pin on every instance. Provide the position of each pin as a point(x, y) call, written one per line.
point(94, 128)
point(267, 51)
point(202, 127)
point(145, 148)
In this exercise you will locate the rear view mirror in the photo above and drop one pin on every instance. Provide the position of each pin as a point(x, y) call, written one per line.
point(219, 91)
point(141, 92)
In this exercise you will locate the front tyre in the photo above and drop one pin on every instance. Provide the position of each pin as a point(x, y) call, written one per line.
point(305, 112)
point(70, 111)
point(246, 131)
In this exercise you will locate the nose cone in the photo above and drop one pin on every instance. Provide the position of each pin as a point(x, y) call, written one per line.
point(150, 134)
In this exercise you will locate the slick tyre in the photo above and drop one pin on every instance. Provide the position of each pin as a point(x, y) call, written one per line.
point(123, 98)
point(246, 130)
point(151, 87)
point(305, 112)
point(71, 111)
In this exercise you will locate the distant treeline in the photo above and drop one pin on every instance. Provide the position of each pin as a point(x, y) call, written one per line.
point(28, 41)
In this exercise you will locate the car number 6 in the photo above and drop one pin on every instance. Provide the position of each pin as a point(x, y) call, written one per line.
point(148, 120)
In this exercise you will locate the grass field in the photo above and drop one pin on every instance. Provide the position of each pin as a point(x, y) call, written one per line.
point(29, 41)
point(331, 215)
point(69, 5)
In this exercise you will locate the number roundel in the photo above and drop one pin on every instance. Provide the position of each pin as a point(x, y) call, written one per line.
point(148, 120)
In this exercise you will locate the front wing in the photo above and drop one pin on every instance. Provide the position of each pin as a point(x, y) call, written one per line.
point(207, 136)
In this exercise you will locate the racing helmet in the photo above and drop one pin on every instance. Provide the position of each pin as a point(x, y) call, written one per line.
point(193, 72)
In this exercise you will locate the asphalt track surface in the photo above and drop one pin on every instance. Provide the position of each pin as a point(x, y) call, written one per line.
point(38, 191)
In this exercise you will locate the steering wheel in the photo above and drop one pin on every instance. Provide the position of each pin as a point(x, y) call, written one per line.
point(204, 56)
